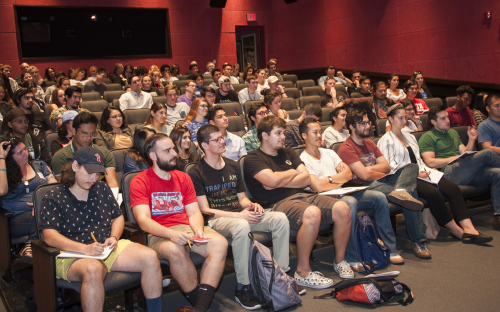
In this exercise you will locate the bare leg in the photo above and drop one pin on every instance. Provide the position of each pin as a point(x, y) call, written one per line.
point(215, 253)
point(91, 274)
point(139, 258)
point(454, 228)
point(342, 222)
point(306, 237)
point(181, 266)
point(468, 227)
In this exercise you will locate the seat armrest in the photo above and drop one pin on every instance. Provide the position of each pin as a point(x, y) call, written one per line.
point(5, 213)
point(207, 216)
point(263, 203)
point(44, 248)
point(129, 231)
point(310, 192)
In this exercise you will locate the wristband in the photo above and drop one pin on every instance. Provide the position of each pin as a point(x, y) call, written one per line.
point(114, 237)
point(2, 169)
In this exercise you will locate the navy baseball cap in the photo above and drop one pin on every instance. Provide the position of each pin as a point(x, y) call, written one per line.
point(91, 159)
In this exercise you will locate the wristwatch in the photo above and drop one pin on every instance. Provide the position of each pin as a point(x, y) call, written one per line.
point(330, 179)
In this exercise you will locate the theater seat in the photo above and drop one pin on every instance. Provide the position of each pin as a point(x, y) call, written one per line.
point(325, 117)
point(231, 109)
point(304, 100)
point(341, 88)
point(450, 101)
point(239, 87)
point(160, 99)
point(380, 126)
point(292, 78)
point(236, 125)
point(292, 93)
point(180, 83)
point(95, 106)
point(294, 114)
point(286, 84)
point(114, 87)
point(136, 116)
point(109, 96)
point(434, 102)
point(90, 96)
point(307, 91)
point(288, 104)
point(301, 84)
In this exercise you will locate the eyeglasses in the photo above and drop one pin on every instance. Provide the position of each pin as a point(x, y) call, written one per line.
point(28, 97)
point(116, 116)
point(417, 73)
point(356, 77)
point(25, 121)
point(263, 113)
point(409, 109)
point(87, 136)
point(365, 123)
point(203, 106)
point(217, 140)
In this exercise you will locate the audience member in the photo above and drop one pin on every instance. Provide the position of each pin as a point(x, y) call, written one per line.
point(292, 136)
point(6, 103)
point(364, 88)
point(329, 99)
point(97, 84)
point(79, 77)
point(196, 118)
point(410, 89)
point(209, 94)
point(235, 146)
point(489, 130)
point(236, 71)
point(71, 70)
point(249, 93)
point(189, 96)
point(156, 80)
point(73, 96)
point(393, 92)
point(479, 111)
point(175, 111)
point(210, 66)
point(147, 86)
point(274, 85)
point(62, 83)
point(39, 124)
point(115, 76)
point(19, 177)
point(273, 101)
point(7, 71)
point(134, 157)
point(181, 136)
point(199, 80)
point(216, 74)
point(261, 79)
point(136, 98)
point(423, 91)
point(249, 71)
point(441, 148)
point(220, 190)
point(224, 94)
point(50, 74)
point(256, 112)
point(413, 122)
point(271, 71)
point(228, 72)
point(355, 85)
point(336, 132)
point(164, 204)
point(58, 100)
point(157, 119)
point(82, 192)
point(140, 71)
point(369, 166)
point(193, 69)
point(328, 172)
point(278, 175)
point(65, 131)
point(24, 67)
point(38, 81)
point(460, 114)
point(401, 148)
point(128, 70)
point(330, 73)
point(92, 72)
point(114, 132)
point(175, 71)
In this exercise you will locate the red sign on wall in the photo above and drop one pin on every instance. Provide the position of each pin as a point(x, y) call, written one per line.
point(251, 17)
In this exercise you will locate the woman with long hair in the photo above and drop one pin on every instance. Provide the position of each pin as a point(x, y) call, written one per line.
point(175, 71)
point(127, 71)
point(147, 86)
point(6, 103)
point(79, 77)
point(197, 117)
point(337, 131)
point(247, 72)
point(114, 132)
point(393, 92)
point(181, 136)
point(273, 101)
point(38, 80)
point(479, 112)
point(423, 91)
point(134, 157)
point(57, 99)
point(19, 177)
point(50, 74)
point(261, 79)
point(157, 119)
point(413, 122)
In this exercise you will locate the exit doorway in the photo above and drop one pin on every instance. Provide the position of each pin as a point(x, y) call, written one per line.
point(250, 47)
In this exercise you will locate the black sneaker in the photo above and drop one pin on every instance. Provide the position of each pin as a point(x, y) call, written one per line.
point(496, 222)
point(246, 298)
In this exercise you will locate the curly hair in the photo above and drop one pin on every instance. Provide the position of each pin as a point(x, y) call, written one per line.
point(14, 175)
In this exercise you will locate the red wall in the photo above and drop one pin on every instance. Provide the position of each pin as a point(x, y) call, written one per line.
point(441, 38)
point(198, 32)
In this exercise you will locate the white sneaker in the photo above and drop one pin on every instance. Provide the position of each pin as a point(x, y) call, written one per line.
point(357, 267)
point(313, 280)
point(344, 269)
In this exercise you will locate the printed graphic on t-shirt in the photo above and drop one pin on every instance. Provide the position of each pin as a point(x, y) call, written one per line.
point(223, 196)
point(165, 203)
point(367, 159)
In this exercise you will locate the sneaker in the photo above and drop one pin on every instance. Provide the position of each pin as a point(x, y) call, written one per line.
point(495, 222)
point(246, 298)
point(421, 250)
point(357, 267)
point(404, 199)
point(313, 280)
point(344, 269)
point(396, 259)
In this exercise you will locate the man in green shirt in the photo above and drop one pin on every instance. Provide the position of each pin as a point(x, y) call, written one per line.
point(256, 112)
point(441, 148)
point(85, 125)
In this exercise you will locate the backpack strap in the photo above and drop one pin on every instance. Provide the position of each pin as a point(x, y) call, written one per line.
point(404, 302)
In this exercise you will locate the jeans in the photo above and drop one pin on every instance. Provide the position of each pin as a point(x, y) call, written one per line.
point(482, 168)
point(23, 224)
point(404, 178)
point(381, 219)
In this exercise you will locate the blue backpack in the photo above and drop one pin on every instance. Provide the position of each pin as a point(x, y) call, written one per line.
point(371, 250)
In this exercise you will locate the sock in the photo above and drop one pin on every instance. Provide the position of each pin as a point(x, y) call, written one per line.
point(239, 286)
point(154, 305)
point(192, 296)
point(205, 295)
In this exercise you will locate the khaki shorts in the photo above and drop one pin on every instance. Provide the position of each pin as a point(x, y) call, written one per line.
point(155, 241)
point(63, 264)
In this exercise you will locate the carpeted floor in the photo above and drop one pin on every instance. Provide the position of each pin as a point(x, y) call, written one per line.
point(459, 277)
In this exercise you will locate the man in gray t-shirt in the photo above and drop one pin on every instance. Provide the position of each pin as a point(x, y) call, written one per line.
point(175, 111)
point(97, 84)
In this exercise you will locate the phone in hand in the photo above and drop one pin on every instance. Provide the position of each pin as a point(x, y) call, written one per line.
point(5, 146)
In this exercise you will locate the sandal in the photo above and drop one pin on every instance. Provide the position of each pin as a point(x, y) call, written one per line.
point(26, 255)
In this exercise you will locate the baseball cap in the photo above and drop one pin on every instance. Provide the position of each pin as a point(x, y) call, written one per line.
point(91, 158)
point(13, 113)
point(69, 115)
point(223, 78)
point(272, 79)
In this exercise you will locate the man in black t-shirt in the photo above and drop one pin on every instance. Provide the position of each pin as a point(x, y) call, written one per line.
point(224, 94)
point(277, 174)
point(220, 190)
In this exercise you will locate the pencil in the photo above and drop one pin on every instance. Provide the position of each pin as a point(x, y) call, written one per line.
point(93, 237)
point(189, 244)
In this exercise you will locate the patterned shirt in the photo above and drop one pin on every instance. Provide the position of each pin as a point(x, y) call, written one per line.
point(193, 126)
point(251, 140)
point(58, 113)
point(292, 137)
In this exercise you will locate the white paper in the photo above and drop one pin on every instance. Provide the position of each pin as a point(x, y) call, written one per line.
point(69, 254)
point(265, 211)
point(391, 273)
point(464, 154)
point(344, 190)
point(434, 177)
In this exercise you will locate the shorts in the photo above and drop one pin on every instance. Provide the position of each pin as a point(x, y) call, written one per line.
point(295, 205)
point(155, 241)
point(63, 264)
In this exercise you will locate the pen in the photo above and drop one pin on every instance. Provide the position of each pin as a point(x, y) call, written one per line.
point(93, 237)
point(189, 244)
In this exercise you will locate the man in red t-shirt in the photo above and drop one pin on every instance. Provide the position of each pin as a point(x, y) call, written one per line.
point(411, 89)
point(460, 114)
point(164, 204)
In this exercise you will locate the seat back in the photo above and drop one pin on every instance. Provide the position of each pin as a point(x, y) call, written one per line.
point(49, 83)
point(95, 106)
point(288, 104)
point(108, 81)
point(109, 96)
point(236, 125)
point(207, 76)
point(375, 140)
point(425, 122)
point(125, 183)
point(299, 149)
point(434, 102)
point(341, 88)
point(38, 195)
point(207, 82)
point(418, 134)
point(47, 98)
point(182, 90)
point(292, 78)
point(325, 117)
point(335, 147)
point(286, 84)
point(48, 141)
point(184, 77)
point(239, 87)
point(160, 99)
point(98, 115)
point(306, 91)
point(450, 101)
point(231, 109)
point(241, 162)
point(294, 114)
point(304, 100)
point(462, 132)
point(90, 96)
point(301, 84)
point(292, 93)
point(46, 108)
point(380, 126)
point(113, 87)
point(116, 102)
point(189, 167)
point(119, 156)
point(180, 83)
point(136, 116)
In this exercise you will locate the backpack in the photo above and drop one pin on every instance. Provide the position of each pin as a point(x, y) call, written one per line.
point(274, 289)
point(371, 250)
point(371, 291)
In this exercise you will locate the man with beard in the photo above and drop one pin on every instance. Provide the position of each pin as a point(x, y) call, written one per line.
point(370, 167)
point(164, 204)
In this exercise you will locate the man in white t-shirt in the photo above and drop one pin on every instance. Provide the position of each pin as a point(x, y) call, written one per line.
point(329, 172)
point(336, 132)
point(175, 111)
point(250, 93)
point(135, 98)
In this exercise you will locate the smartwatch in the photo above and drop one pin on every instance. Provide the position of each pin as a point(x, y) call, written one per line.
point(330, 179)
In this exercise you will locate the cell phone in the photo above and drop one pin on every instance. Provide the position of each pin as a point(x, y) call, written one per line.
point(5, 146)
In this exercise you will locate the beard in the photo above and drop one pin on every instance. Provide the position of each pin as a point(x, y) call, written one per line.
point(361, 134)
point(167, 165)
